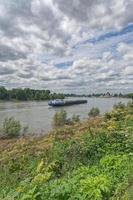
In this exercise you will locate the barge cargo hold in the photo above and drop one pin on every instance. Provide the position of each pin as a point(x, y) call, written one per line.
point(60, 102)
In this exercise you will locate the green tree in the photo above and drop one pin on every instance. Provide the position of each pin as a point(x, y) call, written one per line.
point(4, 93)
point(60, 118)
point(11, 127)
point(75, 118)
point(94, 112)
point(28, 94)
point(21, 95)
point(119, 105)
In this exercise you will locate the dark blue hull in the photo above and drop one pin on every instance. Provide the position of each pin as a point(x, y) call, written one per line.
point(66, 103)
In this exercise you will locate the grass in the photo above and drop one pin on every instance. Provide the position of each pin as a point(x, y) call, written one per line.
point(57, 160)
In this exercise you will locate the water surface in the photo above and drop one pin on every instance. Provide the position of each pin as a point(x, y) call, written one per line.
point(38, 115)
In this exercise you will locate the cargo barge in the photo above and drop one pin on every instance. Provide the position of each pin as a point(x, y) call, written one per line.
point(60, 102)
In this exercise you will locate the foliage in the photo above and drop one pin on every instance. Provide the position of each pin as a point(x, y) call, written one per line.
point(11, 127)
point(94, 112)
point(60, 118)
point(98, 182)
point(130, 95)
point(119, 105)
point(28, 94)
point(92, 160)
point(4, 94)
point(75, 118)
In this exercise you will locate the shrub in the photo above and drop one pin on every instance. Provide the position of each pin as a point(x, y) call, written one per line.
point(94, 112)
point(63, 133)
point(97, 187)
point(119, 105)
point(11, 127)
point(94, 161)
point(75, 118)
point(60, 118)
point(130, 104)
point(130, 107)
point(116, 115)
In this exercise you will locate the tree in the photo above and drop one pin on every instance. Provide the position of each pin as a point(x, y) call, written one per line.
point(20, 95)
point(28, 94)
point(75, 118)
point(4, 93)
point(11, 127)
point(94, 112)
point(119, 105)
point(60, 118)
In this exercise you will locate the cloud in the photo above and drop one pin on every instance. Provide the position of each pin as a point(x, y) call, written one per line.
point(73, 45)
point(6, 70)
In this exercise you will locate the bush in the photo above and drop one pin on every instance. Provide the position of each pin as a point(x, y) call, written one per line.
point(94, 112)
point(119, 105)
point(130, 104)
point(130, 107)
point(11, 127)
point(60, 118)
point(116, 115)
point(94, 161)
point(75, 118)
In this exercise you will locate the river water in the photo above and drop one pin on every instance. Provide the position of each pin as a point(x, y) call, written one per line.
point(38, 115)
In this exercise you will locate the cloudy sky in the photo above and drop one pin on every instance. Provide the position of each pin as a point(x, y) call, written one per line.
point(79, 46)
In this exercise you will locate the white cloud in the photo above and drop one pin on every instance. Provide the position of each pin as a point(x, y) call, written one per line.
point(37, 34)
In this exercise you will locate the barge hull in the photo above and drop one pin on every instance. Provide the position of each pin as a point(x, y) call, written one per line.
point(69, 103)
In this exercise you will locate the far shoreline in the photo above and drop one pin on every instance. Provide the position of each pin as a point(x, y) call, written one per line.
point(18, 101)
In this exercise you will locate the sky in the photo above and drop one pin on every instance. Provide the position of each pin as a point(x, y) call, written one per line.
point(70, 46)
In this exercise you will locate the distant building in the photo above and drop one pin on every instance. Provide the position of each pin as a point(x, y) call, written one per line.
point(108, 95)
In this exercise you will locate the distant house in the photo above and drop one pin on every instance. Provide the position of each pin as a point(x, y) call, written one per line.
point(108, 95)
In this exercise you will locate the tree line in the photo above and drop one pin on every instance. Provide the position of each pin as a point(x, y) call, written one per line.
point(32, 94)
point(28, 94)
point(128, 95)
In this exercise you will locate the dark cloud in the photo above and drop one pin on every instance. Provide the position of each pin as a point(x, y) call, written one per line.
point(6, 70)
point(8, 53)
point(77, 9)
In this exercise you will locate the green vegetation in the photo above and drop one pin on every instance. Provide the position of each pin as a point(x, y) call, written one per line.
point(120, 95)
point(60, 119)
point(94, 112)
point(90, 160)
point(120, 105)
point(28, 94)
point(11, 128)
point(75, 118)
point(130, 95)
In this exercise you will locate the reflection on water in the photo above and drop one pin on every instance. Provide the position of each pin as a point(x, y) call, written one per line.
point(38, 115)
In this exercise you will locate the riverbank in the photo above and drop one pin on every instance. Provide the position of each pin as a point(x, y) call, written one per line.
point(38, 115)
point(93, 158)
point(26, 94)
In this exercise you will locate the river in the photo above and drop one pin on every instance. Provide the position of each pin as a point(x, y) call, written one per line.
point(38, 115)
